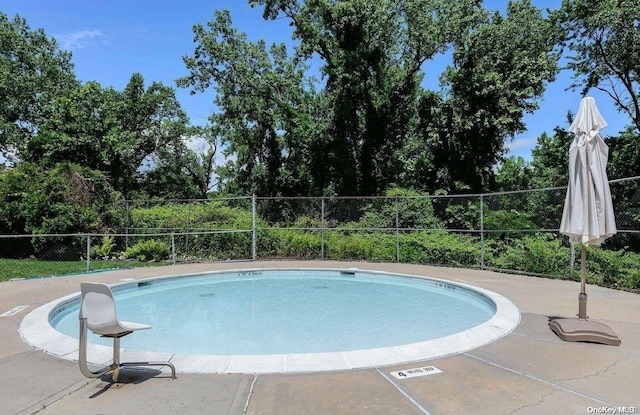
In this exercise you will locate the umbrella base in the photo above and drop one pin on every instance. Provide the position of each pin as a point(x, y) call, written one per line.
point(583, 330)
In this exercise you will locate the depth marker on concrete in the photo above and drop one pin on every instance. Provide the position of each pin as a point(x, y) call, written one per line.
point(415, 372)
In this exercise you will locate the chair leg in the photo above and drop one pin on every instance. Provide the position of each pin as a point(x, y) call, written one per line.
point(116, 365)
point(137, 364)
point(82, 358)
point(116, 359)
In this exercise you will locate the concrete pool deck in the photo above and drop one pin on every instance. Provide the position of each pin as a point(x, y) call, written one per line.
point(528, 371)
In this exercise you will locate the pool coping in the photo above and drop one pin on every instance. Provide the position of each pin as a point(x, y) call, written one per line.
point(36, 331)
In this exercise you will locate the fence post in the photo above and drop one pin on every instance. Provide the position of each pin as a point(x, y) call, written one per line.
point(254, 254)
point(397, 232)
point(322, 227)
point(173, 247)
point(88, 252)
point(482, 265)
point(186, 236)
point(128, 223)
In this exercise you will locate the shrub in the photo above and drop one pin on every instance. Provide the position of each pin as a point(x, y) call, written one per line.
point(413, 210)
point(440, 248)
point(299, 244)
point(103, 251)
point(148, 250)
point(376, 246)
point(534, 254)
point(508, 220)
point(206, 215)
point(64, 199)
point(215, 246)
point(617, 269)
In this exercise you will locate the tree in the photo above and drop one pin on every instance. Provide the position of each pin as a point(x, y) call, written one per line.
point(65, 198)
point(147, 119)
point(263, 103)
point(550, 169)
point(372, 55)
point(500, 68)
point(372, 125)
point(551, 159)
point(513, 174)
point(74, 128)
point(185, 170)
point(604, 39)
point(624, 155)
point(108, 130)
point(32, 72)
point(624, 161)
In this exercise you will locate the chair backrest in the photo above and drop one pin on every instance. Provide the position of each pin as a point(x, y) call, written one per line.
point(98, 306)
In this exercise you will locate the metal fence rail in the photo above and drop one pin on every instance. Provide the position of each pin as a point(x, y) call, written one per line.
point(484, 228)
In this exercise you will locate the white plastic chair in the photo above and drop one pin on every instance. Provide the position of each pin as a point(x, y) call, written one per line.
point(98, 314)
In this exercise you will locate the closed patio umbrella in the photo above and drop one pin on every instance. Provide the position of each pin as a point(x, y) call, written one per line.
point(588, 217)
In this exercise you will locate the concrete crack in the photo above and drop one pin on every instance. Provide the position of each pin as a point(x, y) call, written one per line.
point(541, 400)
point(538, 379)
point(597, 373)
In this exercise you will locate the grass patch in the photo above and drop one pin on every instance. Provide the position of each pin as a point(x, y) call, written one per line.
point(29, 268)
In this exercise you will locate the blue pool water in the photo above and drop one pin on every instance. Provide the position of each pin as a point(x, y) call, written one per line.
point(285, 312)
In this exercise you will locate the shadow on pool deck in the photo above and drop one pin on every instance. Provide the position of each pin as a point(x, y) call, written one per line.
point(529, 371)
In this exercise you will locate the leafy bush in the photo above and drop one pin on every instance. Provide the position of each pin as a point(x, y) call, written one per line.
point(546, 255)
point(103, 251)
point(215, 246)
point(375, 246)
point(441, 248)
point(205, 215)
point(617, 269)
point(148, 250)
point(413, 210)
point(459, 213)
point(296, 244)
point(508, 220)
point(534, 254)
point(65, 199)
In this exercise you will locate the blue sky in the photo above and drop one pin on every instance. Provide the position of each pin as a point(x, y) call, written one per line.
point(111, 40)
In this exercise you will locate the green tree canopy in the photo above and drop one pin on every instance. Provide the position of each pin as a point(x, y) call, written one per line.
point(604, 40)
point(185, 170)
point(264, 102)
point(33, 71)
point(108, 130)
point(373, 55)
point(514, 173)
point(500, 69)
point(66, 198)
point(551, 160)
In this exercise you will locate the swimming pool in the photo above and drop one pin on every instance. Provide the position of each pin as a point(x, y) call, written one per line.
point(300, 320)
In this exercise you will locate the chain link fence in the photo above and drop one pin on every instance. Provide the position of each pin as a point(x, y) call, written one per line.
point(507, 231)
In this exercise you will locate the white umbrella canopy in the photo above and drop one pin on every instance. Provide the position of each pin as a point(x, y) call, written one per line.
point(588, 216)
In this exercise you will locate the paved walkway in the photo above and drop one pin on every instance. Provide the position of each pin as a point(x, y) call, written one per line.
point(529, 371)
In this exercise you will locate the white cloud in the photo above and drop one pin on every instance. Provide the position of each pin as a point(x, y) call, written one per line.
point(81, 39)
point(521, 144)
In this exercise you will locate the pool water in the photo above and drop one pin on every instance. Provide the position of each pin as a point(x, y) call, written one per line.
point(288, 312)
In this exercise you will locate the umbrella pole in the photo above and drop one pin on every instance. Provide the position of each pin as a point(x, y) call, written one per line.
point(582, 298)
